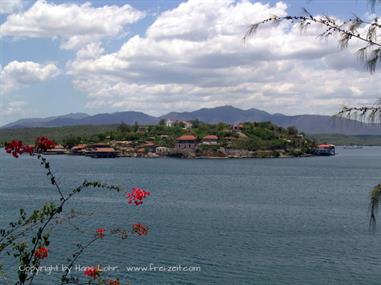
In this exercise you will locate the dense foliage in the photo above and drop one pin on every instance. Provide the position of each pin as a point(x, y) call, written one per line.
point(250, 136)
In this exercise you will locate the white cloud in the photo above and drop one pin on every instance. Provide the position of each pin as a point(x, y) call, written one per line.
point(16, 75)
point(193, 56)
point(76, 25)
point(9, 6)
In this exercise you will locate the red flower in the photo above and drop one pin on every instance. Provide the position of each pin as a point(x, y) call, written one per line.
point(92, 272)
point(17, 148)
point(43, 144)
point(41, 252)
point(100, 233)
point(137, 195)
point(140, 229)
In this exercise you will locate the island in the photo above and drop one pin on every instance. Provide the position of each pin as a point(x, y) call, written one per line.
point(183, 139)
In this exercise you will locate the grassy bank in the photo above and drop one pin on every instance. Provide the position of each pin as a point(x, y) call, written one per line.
point(58, 134)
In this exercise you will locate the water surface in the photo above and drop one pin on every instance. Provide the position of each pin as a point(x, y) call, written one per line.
point(248, 221)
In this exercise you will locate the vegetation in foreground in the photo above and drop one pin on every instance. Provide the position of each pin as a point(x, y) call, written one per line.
point(28, 238)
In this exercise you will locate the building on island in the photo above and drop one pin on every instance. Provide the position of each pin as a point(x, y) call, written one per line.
point(102, 152)
point(58, 149)
point(162, 150)
point(186, 142)
point(149, 146)
point(78, 149)
point(237, 127)
point(210, 140)
point(169, 123)
point(186, 125)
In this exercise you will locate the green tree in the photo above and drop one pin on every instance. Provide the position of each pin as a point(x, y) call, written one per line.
point(162, 122)
point(136, 127)
point(292, 131)
point(123, 128)
point(71, 141)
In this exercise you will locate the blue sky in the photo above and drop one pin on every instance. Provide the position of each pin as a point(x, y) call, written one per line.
point(60, 57)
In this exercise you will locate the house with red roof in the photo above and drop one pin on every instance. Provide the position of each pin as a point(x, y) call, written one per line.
point(210, 140)
point(186, 142)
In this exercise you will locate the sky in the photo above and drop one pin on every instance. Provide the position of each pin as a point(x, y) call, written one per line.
point(59, 57)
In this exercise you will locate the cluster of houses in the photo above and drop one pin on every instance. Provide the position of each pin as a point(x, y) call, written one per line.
point(187, 145)
point(184, 144)
point(190, 142)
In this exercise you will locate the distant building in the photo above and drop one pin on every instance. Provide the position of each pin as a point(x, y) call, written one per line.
point(79, 149)
point(121, 143)
point(149, 146)
point(98, 145)
point(210, 140)
point(187, 125)
point(237, 127)
point(169, 123)
point(58, 149)
point(162, 150)
point(186, 142)
point(102, 152)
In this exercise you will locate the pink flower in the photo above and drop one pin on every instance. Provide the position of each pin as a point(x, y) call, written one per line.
point(100, 233)
point(43, 144)
point(137, 195)
point(17, 148)
point(140, 229)
point(41, 252)
point(92, 272)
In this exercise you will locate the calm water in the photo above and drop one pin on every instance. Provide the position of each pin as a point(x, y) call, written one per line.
point(259, 221)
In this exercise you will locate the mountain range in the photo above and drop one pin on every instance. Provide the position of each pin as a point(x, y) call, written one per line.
point(310, 124)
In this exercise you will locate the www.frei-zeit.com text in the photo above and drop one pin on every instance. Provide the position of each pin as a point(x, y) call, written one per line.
point(49, 269)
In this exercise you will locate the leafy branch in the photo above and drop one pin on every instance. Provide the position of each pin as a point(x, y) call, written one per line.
point(354, 28)
point(41, 222)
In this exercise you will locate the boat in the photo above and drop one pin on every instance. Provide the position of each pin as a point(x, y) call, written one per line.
point(325, 149)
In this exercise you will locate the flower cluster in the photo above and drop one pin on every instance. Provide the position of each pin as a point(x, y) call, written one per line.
point(137, 195)
point(100, 233)
point(92, 272)
point(43, 144)
point(41, 252)
point(16, 148)
point(140, 229)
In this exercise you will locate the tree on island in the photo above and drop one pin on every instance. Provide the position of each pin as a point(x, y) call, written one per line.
point(353, 29)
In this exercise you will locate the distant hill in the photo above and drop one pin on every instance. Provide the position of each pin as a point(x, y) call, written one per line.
point(310, 124)
point(227, 114)
point(44, 122)
point(81, 119)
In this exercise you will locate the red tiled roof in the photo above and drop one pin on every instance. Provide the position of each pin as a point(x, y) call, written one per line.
point(210, 137)
point(79, 146)
point(104, 149)
point(186, 138)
